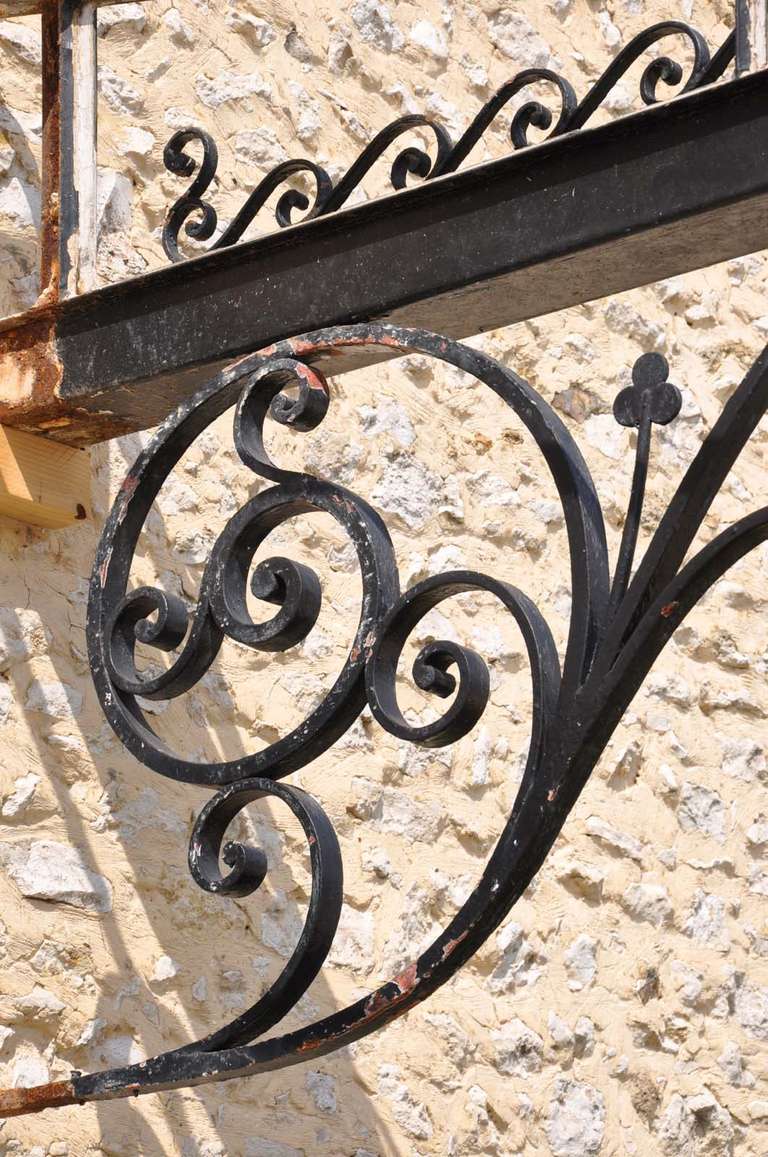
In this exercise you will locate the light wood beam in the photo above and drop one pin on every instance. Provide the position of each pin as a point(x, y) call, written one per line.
point(42, 482)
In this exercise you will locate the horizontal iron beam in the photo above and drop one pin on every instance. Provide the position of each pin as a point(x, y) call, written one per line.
point(670, 189)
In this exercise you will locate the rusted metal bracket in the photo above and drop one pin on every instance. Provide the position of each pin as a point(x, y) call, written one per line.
point(573, 219)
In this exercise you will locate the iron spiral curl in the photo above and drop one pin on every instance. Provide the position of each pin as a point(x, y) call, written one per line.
point(191, 205)
point(432, 669)
point(121, 619)
point(248, 867)
point(199, 218)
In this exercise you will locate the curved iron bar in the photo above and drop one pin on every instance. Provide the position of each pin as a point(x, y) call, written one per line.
point(650, 398)
point(615, 636)
point(533, 113)
point(415, 161)
point(290, 200)
point(192, 203)
point(248, 869)
point(410, 162)
point(725, 56)
point(662, 68)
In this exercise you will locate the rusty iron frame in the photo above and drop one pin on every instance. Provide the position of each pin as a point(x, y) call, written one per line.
point(68, 163)
point(84, 366)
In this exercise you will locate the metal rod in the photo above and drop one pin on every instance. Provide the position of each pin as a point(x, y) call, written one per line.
point(84, 138)
point(751, 35)
point(635, 509)
point(69, 172)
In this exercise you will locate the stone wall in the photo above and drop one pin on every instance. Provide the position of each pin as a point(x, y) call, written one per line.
point(623, 1006)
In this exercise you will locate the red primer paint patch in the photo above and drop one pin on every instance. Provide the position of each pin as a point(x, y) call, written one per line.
point(452, 945)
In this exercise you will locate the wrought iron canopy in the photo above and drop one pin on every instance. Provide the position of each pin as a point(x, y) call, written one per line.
point(619, 624)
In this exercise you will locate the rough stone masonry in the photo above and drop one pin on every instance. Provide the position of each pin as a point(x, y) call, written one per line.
point(623, 1007)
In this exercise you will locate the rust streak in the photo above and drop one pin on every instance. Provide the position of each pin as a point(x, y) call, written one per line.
point(51, 155)
point(377, 1002)
point(407, 980)
point(30, 379)
point(130, 482)
point(405, 983)
point(31, 374)
point(15, 1102)
point(309, 1046)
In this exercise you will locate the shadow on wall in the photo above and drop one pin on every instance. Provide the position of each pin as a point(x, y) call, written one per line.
point(168, 963)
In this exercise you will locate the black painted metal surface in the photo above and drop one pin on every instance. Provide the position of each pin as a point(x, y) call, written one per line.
point(617, 630)
point(199, 219)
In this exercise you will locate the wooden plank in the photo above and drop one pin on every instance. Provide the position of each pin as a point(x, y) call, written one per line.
point(670, 189)
point(42, 482)
point(751, 35)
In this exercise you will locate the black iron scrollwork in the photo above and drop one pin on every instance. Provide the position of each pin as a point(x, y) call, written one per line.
point(248, 869)
point(199, 218)
point(617, 630)
point(191, 205)
point(221, 610)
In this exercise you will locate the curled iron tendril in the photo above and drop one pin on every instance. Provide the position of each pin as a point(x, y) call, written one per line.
point(126, 617)
point(434, 665)
point(248, 868)
point(199, 218)
point(328, 197)
point(196, 215)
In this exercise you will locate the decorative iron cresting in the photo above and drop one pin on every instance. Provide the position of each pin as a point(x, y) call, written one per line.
point(619, 625)
point(199, 219)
